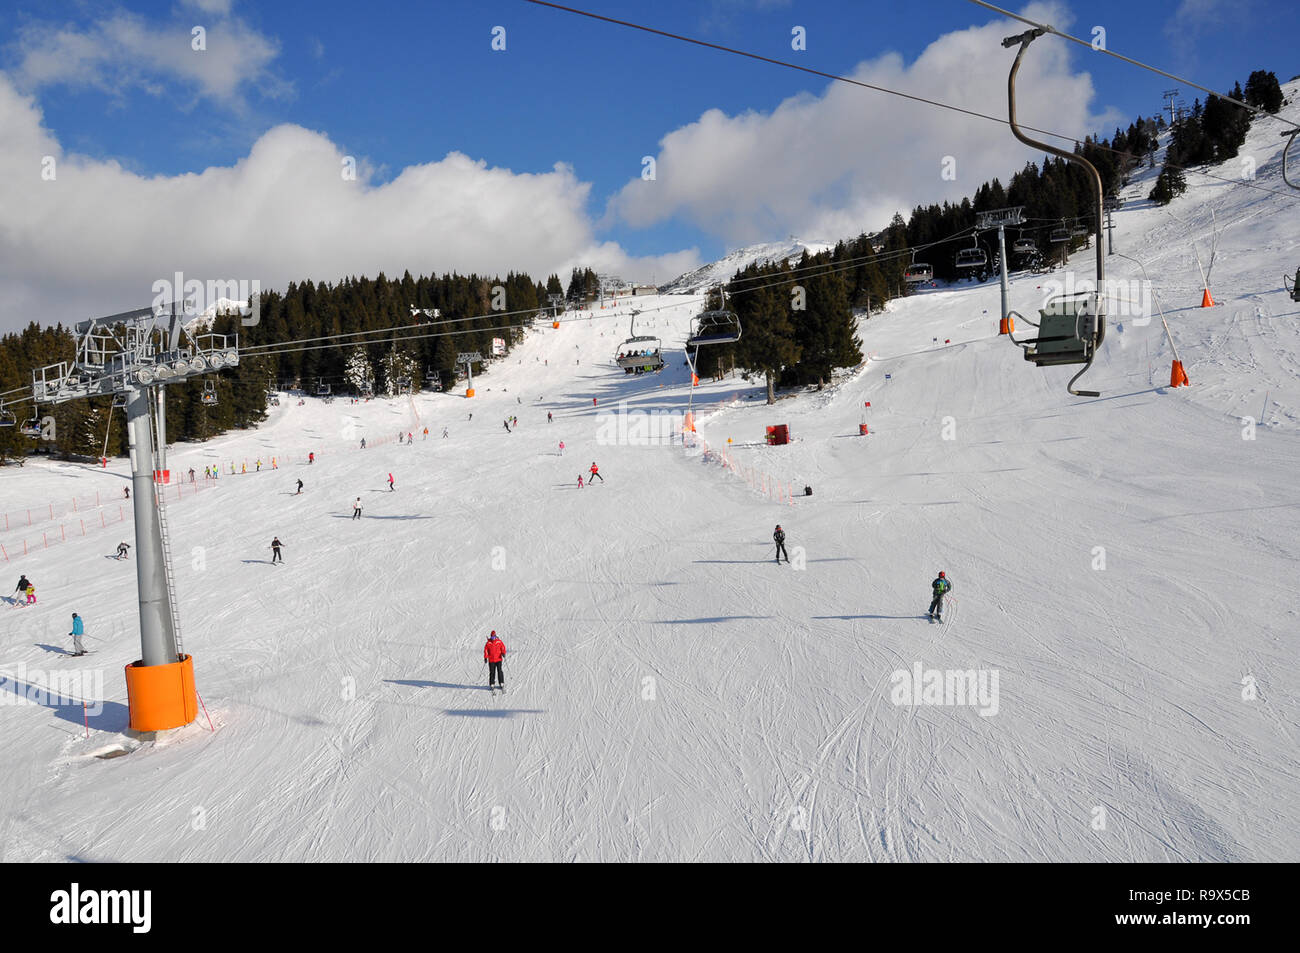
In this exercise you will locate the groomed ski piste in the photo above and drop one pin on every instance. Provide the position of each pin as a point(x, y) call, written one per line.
point(1123, 566)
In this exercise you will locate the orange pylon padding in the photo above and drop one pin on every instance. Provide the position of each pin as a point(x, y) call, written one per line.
point(689, 423)
point(1207, 300)
point(1178, 376)
point(695, 380)
point(1006, 325)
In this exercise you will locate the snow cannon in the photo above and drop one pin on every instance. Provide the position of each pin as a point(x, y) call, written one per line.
point(161, 697)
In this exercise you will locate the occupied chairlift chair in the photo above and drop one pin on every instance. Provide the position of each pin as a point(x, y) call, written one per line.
point(640, 351)
point(322, 389)
point(1072, 327)
point(918, 272)
point(209, 396)
point(1023, 246)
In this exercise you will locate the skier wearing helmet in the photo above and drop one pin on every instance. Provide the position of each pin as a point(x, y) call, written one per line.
point(779, 536)
point(941, 587)
point(494, 652)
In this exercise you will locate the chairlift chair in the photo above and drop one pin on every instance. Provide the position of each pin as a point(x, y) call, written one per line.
point(1059, 236)
point(970, 258)
point(209, 396)
point(1024, 246)
point(714, 327)
point(31, 428)
point(918, 272)
point(322, 389)
point(640, 350)
point(7, 418)
point(1070, 330)
point(1079, 231)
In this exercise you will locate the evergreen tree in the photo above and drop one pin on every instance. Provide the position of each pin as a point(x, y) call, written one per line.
point(1263, 91)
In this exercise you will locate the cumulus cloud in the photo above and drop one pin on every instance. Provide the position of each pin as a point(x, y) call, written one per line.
point(122, 52)
point(93, 239)
point(835, 164)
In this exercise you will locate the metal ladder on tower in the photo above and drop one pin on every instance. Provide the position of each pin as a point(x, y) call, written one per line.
point(165, 534)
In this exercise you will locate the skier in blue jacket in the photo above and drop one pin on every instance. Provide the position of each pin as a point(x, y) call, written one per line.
point(78, 630)
point(941, 588)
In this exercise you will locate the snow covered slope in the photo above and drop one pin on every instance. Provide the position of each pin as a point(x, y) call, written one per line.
point(1120, 566)
point(724, 269)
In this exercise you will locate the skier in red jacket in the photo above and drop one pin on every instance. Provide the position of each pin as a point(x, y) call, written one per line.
point(493, 653)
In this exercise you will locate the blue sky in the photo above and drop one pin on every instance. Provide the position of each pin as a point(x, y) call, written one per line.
point(399, 86)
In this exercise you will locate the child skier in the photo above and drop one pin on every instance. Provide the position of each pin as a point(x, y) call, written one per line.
point(31, 594)
point(779, 536)
point(275, 551)
point(941, 587)
point(78, 630)
point(579, 481)
point(494, 652)
point(356, 509)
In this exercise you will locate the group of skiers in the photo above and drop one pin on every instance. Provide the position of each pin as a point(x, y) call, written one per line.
point(78, 626)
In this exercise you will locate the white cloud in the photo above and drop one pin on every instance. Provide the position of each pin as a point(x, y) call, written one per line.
point(835, 164)
point(93, 240)
point(121, 52)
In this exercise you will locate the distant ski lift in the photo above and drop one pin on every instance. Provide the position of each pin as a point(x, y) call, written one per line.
point(1079, 231)
point(1059, 236)
point(322, 389)
point(209, 396)
point(714, 327)
point(642, 351)
point(1024, 246)
point(403, 385)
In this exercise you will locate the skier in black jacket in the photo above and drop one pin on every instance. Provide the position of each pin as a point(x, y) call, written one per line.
point(779, 536)
point(275, 551)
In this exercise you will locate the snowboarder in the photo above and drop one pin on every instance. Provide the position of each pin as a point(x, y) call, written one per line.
point(390, 483)
point(493, 654)
point(356, 509)
point(595, 474)
point(779, 536)
point(548, 417)
point(275, 551)
point(299, 493)
point(122, 550)
point(941, 587)
point(78, 630)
